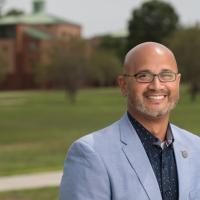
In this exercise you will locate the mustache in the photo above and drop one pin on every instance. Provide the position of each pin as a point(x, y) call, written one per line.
point(156, 92)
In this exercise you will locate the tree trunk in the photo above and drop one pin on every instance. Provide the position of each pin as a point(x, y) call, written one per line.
point(72, 96)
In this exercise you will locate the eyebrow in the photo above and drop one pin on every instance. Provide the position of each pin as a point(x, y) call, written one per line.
point(143, 71)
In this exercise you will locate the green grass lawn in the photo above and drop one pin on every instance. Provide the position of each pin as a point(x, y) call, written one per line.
point(37, 127)
point(51, 193)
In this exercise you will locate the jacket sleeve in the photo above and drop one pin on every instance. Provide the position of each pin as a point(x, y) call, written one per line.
point(85, 176)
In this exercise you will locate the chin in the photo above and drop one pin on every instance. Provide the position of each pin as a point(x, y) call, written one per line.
point(156, 112)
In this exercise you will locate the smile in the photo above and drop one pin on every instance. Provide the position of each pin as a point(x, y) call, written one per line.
point(156, 97)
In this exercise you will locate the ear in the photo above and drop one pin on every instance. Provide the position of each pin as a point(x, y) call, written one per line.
point(122, 84)
point(179, 78)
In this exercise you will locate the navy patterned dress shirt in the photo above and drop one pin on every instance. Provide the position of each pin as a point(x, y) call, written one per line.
point(162, 159)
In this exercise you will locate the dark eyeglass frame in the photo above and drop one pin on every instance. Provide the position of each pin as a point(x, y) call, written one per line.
point(153, 76)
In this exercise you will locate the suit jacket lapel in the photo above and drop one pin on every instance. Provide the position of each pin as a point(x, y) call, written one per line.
point(182, 155)
point(138, 159)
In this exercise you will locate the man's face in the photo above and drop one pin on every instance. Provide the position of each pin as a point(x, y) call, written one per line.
point(154, 99)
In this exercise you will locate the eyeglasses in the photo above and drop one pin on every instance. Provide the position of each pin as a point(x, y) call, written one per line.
point(148, 77)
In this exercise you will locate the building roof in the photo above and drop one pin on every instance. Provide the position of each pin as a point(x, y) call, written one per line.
point(33, 19)
point(37, 34)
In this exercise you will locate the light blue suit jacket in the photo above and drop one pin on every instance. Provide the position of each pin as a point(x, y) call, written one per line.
point(111, 164)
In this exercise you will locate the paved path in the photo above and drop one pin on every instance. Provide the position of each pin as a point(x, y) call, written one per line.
point(27, 181)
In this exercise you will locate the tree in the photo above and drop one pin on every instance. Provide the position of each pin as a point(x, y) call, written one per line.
point(114, 44)
point(14, 12)
point(104, 68)
point(186, 45)
point(66, 68)
point(153, 21)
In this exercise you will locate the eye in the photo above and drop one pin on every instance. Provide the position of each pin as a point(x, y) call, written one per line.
point(143, 76)
point(167, 75)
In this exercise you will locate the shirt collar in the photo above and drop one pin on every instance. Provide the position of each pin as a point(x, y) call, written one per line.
point(146, 136)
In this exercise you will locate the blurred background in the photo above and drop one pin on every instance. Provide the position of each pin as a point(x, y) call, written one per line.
point(58, 66)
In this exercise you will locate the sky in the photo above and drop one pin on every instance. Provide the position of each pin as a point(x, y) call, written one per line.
point(104, 16)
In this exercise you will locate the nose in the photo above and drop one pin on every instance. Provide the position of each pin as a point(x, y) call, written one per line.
point(156, 84)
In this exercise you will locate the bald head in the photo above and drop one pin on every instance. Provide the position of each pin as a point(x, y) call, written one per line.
point(148, 53)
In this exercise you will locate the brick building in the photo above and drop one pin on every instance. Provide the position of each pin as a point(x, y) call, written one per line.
point(22, 38)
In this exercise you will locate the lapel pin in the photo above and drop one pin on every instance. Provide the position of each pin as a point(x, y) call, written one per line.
point(184, 154)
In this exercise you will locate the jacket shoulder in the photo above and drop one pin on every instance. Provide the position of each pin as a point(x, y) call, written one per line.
point(185, 136)
point(100, 139)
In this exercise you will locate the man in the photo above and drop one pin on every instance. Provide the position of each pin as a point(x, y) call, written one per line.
point(142, 156)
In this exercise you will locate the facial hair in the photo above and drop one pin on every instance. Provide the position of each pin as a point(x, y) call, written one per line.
point(146, 110)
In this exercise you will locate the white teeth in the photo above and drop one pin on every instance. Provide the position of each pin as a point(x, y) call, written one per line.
point(156, 97)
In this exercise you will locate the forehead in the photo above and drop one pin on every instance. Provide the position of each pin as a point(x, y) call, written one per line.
point(151, 59)
point(154, 68)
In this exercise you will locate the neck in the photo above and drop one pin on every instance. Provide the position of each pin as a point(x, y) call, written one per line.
point(156, 125)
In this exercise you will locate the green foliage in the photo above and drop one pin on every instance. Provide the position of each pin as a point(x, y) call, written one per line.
point(153, 21)
point(14, 12)
point(67, 66)
point(186, 45)
point(113, 44)
point(104, 68)
point(74, 64)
